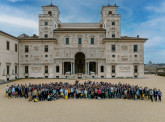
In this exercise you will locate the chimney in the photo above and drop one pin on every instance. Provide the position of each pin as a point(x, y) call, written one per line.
point(137, 36)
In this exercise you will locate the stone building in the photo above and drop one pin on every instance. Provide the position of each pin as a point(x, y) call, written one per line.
point(78, 50)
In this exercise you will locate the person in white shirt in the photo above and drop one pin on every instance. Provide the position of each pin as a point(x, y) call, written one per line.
point(7, 88)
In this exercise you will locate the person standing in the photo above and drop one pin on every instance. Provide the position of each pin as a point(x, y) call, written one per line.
point(151, 95)
point(159, 94)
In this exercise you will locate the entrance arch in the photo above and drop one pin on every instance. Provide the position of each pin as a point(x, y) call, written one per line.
point(80, 63)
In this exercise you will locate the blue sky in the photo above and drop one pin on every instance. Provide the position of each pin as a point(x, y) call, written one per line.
point(138, 17)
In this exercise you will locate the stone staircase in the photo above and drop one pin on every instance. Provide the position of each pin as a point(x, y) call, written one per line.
point(80, 76)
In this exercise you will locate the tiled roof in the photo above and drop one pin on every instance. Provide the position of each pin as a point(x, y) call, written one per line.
point(8, 34)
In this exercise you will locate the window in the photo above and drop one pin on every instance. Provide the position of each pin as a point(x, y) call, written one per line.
point(135, 48)
point(135, 69)
point(110, 12)
point(46, 48)
point(113, 69)
point(79, 41)
point(26, 56)
point(26, 48)
point(102, 68)
point(15, 69)
point(46, 35)
point(8, 70)
point(113, 23)
point(113, 48)
point(16, 48)
point(67, 40)
point(8, 45)
point(57, 69)
point(46, 55)
point(113, 35)
point(92, 41)
point(113, 56)
point(135, 56)
point(26, 69)
point(46, 69)
point(46, 23)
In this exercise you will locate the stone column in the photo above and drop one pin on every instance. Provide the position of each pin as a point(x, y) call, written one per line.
point(62, 68)
point(88, 67)
point(71, 68)
point(85, 67)
point(97, 67)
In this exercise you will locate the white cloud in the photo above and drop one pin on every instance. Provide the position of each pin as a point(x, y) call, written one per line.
point(24, 22)
point(14, 1)
point(157, 8)
point(18, 18)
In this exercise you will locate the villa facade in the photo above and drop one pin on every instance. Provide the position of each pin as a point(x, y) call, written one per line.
point(73, 50)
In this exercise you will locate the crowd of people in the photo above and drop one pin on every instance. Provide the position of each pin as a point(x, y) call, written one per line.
point(86, 90)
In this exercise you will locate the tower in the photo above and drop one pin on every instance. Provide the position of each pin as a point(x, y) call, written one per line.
point(111, 21)
point(48, 21)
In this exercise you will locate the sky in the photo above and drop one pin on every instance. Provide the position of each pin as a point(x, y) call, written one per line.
point(138, 17)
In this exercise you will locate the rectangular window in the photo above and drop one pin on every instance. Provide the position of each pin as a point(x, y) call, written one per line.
point(67, 40)
point(46, 69)
point(8, 70)
point(102, 68)
point(46, 48)
point(8, 45)
point(135, 48)
point(15, 69)
point(46, 35)
point(92, 41)
point(113, 35)
point(26, 48)
point(46, 23)
point(113, 48)
point(135, 69)
point(16, 48)
point(57, 69)
point(79, 41)
point(113, 69)
point(113, 23)
point(26, 69)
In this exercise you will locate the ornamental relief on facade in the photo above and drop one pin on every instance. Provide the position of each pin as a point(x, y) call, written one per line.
point(67, 54)
point(124, 58)
point(36, 69)
point(125, 68)
point(130, 58)
point(57, 54)
point(130, 47)
point(124, 47)
point(36, 48)
point(36, 58)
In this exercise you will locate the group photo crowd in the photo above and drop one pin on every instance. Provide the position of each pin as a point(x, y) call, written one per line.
point(86, 90)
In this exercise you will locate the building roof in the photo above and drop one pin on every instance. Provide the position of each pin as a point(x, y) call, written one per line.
point(51, 5)
point(8, 34)
point(126, 38)
point(79, 29)
point(23, 36)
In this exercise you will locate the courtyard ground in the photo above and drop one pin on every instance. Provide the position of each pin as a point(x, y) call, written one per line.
point(20, 110)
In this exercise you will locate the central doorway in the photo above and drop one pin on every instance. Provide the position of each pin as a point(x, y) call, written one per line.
point(80, 63)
